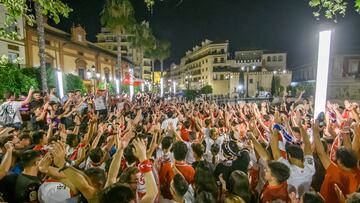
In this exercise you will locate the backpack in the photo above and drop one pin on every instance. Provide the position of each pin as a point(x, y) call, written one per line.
point(7, 114)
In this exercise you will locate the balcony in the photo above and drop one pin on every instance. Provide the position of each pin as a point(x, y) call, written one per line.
point(204, 55)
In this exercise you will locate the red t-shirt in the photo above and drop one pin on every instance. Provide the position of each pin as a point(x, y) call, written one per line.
point(165, 176)
point(278, 192)
point(348, 181)
point(186, 170)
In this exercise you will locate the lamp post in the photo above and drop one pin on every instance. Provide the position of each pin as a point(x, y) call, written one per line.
point(60, 83)
point(322, 71)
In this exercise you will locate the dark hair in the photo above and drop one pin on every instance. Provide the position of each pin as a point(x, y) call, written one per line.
point(8, 94)
point(207, 122)
point(198, 149)
point(97, 177)
point(204, 178)
point(96, 155)
point(312, 197)
point(126, 174)
point(295, 129)
point(180, 185)
point(129, 154)
point(187, 124)
point(205, 197)
point(215, 148)
point(70, 139)
point(180, 150)
point(295, 151)
point(166, 142)
point(347, 157)
point(279, 170)
point(37, 136)
point(5, 139)
point(24, 135)
point(28, 157)
point(238, 185)
point(117, 193)
point(230, 148)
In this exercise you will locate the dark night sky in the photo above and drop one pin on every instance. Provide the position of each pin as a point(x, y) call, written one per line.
point(278, 25)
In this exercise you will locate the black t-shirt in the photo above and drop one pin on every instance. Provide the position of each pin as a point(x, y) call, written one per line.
point(38, 125)
point(34, 104)
point(26, 188)
point(7, 187)
point(227, 167)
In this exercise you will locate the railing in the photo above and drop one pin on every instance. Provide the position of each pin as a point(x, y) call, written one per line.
point(239, 100)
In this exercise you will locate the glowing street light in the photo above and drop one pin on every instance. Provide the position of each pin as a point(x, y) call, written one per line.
point(117, 83)
point(161, 87)
point(174, 87)
point(322, 71)
point(60, 83)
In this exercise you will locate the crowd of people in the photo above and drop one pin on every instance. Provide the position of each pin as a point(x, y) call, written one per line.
point(102, 148)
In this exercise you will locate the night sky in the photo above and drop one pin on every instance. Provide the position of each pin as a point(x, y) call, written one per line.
point(276, 25)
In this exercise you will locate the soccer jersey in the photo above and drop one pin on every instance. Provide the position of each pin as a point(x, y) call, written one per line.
point(300, 178)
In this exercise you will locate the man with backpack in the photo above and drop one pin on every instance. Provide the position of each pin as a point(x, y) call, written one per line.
point(9, 110)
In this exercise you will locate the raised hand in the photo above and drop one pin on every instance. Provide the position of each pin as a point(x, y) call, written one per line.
point(44, 163)
point(139, 149)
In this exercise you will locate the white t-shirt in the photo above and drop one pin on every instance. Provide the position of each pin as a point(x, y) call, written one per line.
point(99, 103)
point(190, 154)
point(15, 107)
point(166, 122)
point(300, 178)
point(50, 192)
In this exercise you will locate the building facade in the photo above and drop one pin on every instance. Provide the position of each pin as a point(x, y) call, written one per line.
point(211, 64)
point(344, 77)
point(108, 40)
point(72, 53)
point(13, 48)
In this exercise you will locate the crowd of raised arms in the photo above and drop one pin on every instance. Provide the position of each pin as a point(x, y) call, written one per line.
point(100, 148)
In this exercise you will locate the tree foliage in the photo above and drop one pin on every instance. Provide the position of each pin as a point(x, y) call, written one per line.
point(207, 89)
point(16, 9)
point(332, 8)
point(14, 79)
point(191, 94)
point(73, 82)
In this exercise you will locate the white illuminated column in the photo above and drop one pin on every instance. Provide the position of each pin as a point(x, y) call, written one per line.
point(149, 86)
point(161, 87)
point(322, 71)
point(131, 84)
point(174, 87)
point(142, 87)
point(60, 83)
point(117, 86)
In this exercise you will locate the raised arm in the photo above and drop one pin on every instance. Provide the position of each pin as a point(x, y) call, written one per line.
point(325, 160)
point(28, 98)
point(7, 159)
point(306, 140)
point(259, 148)
point(146, 168)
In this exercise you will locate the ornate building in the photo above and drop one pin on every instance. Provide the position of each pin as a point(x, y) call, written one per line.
point(72, 53)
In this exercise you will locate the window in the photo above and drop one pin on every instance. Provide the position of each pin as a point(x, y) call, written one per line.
point(222, 60)
point(274, 58)
point(214, 76)
point(81, 72)
point(222, 77)
point(206, 69)
point(13, 47)
point(215, 60)
point(47, 42)
point(107, 77)
point(353, 66)
point(81, 53)
point(12, 56)
point(250, 80)
point(280, 58)
point(268, 59)
point(79, 38)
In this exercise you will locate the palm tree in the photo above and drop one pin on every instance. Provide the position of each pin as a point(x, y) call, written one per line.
point(41, 44)
point(163, 53)
point(144, 42)
point(118, 16)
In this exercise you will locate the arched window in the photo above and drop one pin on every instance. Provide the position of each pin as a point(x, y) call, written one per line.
point(268, 59)
point(280, 58)
point(274, 58)
point(107, 74)
point(81, 68)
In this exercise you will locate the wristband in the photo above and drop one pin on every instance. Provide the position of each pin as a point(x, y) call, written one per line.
point(145, 166)
point(66, 165)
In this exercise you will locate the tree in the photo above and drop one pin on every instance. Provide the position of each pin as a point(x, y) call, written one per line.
point(332, 8)
point(73, 82)
point(118, 16)
point(142, 40)
point(190, 94)
point(152, 52)
point(207, 89)
point(13, 79)
point(163, 47)
point(19, 8)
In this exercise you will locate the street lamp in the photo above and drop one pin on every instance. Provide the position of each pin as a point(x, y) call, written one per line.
point(161, 87)
point(60, 83)
point(92, 75)
point(117, 86)
point(322, 71)
point(174, 87)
